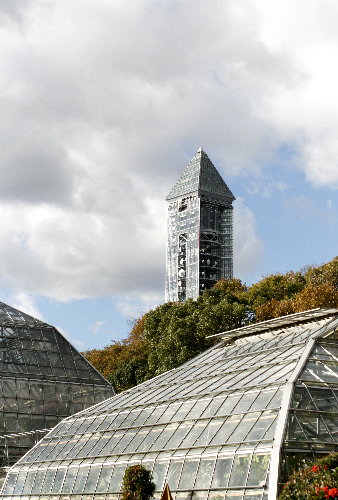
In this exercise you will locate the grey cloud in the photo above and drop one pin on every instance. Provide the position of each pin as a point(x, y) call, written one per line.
point(103, 104)
point(14, 10)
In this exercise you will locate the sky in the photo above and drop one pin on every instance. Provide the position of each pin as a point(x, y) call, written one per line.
point(104, 102)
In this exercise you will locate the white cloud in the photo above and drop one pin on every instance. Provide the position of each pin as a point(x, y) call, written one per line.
point(103, 103)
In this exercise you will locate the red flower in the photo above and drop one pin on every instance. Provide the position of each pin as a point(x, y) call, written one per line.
point(328, 492)
point(315, 468)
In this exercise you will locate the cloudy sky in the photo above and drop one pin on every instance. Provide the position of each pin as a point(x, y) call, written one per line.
point(104, 102)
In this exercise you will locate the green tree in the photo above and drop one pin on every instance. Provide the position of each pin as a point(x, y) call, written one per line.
point(276, 286)
point(137, 483)
point(177, 332)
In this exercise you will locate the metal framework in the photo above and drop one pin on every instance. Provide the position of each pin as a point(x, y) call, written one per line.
point(229, 424)
point(199, 242)
point(43, 380)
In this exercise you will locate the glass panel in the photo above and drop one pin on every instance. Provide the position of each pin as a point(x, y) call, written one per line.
point(239, 471)
point(204, 474)
point(261, 426)
point(189, 472)
point(302, 399)
point(243, 428)
point(174, 473)
point(317, 370)
point(226, 430)
point(18, 486)
point(245, 402)
point(213, 407)
point(258, 470)
point(208, 433)
point(69, 480)
point(92, 480)
point(222, 472)
point(229, 404)
point(198, 409)
point(159, 473)
point(324, 399)
point(122, 444)
point(179, 434)
point(116, 479)
point(48, 482)
point(104, 479)
point(81, 479)
point(325, 352)
point(183, 410)
point(196, 430)
point(328, 424)
point(165, 435)
point(38, 482)
point(149, 439)
point(264, 399)
point(58, 480)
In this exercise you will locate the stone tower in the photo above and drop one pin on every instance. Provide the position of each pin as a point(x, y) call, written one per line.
point(199, 238)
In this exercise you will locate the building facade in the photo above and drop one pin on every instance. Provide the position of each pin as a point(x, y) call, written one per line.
point(199, 235)
point(230, 424)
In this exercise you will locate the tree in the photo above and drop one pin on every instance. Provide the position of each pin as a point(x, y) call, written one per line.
point(311, 297)
point(276, 286)
point(274, 309)
point(327, 273)
point(322, 295)
point(174, 332)
point(137, 483)
point(124, 363)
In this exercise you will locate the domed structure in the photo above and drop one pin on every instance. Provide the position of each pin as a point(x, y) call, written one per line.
point(230, 423)
point(43, 380)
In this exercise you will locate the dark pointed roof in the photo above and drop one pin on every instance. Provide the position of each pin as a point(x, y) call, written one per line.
point(200, 177)
point(33, 347)
point(10, 315)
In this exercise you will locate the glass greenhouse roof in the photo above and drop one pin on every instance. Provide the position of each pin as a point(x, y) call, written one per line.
point(43, 380)
point(223, 425)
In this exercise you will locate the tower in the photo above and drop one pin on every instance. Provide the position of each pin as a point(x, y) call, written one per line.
point(199, 238)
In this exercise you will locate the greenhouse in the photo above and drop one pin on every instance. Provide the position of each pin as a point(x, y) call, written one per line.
point(43, 380)
point(229, 424)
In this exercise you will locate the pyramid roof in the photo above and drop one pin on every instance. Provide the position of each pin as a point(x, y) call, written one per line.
point(11, 316)
point(201, 178)
point(33, 347)
point(43, 379)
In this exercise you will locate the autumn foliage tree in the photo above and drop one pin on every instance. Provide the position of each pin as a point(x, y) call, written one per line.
point(174, 332)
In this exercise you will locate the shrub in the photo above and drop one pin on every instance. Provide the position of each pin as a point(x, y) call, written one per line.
point(318, 482)
point(137, 483)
